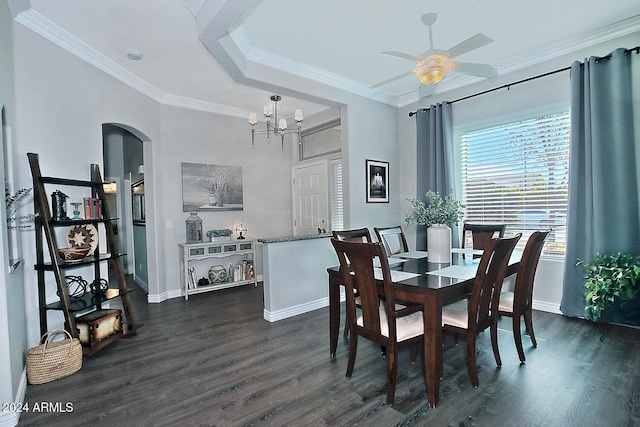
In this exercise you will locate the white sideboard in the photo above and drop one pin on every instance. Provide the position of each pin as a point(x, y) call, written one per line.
point(197, 258)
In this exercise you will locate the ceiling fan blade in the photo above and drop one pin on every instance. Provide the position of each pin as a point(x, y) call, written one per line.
point(480, 70)
point(402, 55)
point(468, 45)
point(392, 79)
point(427, 90)
point(429, 52)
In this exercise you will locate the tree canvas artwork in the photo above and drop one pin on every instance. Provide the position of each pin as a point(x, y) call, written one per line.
point(211, 187)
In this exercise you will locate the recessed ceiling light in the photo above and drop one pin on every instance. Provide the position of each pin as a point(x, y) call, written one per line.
point(134, 55)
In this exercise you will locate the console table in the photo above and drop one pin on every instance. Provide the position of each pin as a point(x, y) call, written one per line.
point(238, 254)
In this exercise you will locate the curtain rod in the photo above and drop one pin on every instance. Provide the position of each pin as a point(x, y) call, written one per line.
point(507, 86)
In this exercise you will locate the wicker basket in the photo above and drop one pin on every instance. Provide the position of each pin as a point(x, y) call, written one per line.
point(53, 359)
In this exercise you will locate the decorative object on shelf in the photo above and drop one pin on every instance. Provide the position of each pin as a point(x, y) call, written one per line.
point(203, 281)
point(59, 205)
point(241, 231)
point(211, 187)
point(73, 254)
point(222, 235)
point(99, 287)
point(53, 359)
point(281, 129)
point(611, 278)
point(76, 287)
point(76, 209)
point(83, 236)
point(438, 214)
point(377, 181)
point(194, 228)
point(217, 274)
point(98, 326)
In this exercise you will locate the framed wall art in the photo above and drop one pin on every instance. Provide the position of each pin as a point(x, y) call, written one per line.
point(377, 181)
point(210, 188)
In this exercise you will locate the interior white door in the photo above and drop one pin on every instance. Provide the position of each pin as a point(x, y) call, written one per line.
point(310, 198)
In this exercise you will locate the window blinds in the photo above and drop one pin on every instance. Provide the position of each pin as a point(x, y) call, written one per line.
point(517, 174)
point(337, 197)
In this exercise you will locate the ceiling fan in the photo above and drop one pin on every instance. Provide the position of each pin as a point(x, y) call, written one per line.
point(433, 64)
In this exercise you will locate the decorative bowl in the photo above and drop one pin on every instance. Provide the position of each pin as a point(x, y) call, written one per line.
point(73, 254)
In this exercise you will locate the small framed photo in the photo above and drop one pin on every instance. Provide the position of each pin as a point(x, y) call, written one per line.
point(377, 181)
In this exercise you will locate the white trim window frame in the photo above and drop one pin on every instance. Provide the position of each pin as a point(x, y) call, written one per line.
point(516, 173)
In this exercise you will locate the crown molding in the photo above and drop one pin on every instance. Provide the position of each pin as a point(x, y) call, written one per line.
point(54, 33)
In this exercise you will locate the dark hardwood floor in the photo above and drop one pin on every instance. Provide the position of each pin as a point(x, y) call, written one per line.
point(214, 361)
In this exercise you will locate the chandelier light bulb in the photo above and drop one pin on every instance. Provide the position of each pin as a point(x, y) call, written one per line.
point(282, 124)
point(268, 110)
point(253, 118)
point(298, 116)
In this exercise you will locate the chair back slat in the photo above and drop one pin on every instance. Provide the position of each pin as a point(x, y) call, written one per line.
point(523, 288)
point(484, 299)
point(393, 239)
point(354, 235)
point(482, 233)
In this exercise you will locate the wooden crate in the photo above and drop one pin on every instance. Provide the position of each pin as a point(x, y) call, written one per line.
point(99, 325)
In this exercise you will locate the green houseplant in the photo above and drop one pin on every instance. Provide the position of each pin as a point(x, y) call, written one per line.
point(437, 210)
point(438, 214)
point(610, 278)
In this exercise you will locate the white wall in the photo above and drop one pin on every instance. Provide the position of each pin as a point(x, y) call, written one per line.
point(13, 335)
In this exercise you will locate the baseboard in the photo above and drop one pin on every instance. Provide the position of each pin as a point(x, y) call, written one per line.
point(11, 419)
point(274, 316)
point(546, 306)
point(157, 298)
point(175, 293)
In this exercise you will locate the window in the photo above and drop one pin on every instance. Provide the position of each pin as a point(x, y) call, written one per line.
point(321, 140)
point(517, 173)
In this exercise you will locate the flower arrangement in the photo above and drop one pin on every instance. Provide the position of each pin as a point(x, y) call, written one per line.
point(437, 210)
point(214, 178)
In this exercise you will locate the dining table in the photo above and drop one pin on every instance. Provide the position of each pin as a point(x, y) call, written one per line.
point(430, 284)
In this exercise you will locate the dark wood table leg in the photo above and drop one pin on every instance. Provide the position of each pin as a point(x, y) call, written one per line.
point(334, 312)
point(433, 347)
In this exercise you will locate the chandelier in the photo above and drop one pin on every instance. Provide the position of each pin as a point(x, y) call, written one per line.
point(281, 128)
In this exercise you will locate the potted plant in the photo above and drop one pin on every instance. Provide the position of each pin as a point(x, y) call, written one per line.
point(610, 278)
point(439, 215)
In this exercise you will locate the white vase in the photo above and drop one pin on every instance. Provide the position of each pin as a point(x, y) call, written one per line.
point(439, 243)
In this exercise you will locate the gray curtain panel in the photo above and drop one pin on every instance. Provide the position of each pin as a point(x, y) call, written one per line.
point(435, 167)
point(604, 172)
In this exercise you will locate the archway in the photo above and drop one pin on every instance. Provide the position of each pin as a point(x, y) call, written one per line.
point(127, 163)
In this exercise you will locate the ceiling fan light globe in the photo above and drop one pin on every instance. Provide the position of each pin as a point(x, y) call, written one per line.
point(431, 75)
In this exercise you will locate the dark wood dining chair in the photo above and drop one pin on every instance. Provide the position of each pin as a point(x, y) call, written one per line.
point(393, 239)
point(482, 234)
point(518, 303)
point(361, 235)
point(381, 321)
point(473, 315)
